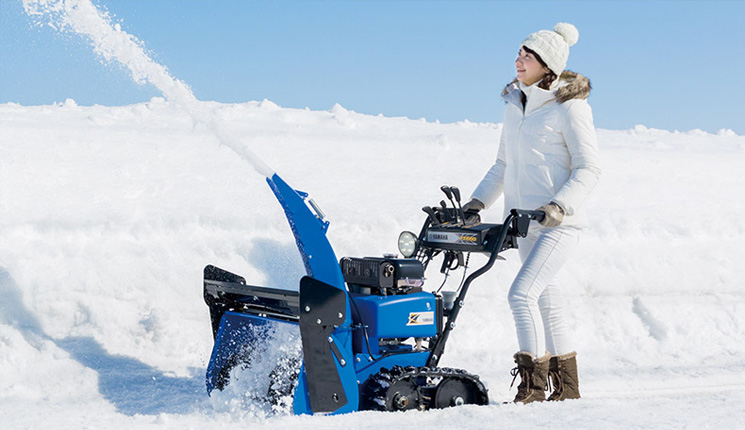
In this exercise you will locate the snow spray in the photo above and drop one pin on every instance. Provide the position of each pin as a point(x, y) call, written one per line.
point(114, 44)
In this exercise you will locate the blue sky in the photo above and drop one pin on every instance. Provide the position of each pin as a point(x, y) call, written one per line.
point(675, 65)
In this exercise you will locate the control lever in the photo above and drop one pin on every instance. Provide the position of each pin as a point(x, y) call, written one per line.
point(456, 193)
point(449, 193)
point(445, 189)
point(445, 211)
point(432, 215)
point(451, 261)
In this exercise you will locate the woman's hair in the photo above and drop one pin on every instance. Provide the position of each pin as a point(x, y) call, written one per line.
point(550, 76)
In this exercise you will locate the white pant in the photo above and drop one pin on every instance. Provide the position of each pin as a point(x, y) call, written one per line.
point(536, 302)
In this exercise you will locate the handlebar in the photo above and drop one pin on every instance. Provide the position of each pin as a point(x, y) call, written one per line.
point(439, 233)
point(534, 215)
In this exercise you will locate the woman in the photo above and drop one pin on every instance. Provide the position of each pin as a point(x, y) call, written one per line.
point(547, 160)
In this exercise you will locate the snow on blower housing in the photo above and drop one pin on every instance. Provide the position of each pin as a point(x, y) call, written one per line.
point(371, 337)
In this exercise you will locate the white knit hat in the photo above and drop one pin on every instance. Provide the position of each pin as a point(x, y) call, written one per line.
point(553, 46)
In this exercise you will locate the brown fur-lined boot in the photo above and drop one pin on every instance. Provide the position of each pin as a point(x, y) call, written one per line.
point(533, 377)
point(563, 374)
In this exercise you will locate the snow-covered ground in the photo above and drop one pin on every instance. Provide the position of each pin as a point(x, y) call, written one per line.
point(109, 214)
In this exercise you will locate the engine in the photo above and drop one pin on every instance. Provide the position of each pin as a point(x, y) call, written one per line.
point(389, 304)
point(383, 276)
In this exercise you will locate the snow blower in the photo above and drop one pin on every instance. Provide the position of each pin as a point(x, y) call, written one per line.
point(371, 337)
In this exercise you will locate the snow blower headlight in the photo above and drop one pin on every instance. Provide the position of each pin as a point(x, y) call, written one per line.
point(407, 244)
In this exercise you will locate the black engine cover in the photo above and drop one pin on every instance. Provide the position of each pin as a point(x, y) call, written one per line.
point(383, 273)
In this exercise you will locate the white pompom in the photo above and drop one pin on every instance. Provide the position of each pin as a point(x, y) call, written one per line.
point(568, 32)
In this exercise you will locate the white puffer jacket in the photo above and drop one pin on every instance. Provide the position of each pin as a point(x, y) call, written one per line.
point(546, 153)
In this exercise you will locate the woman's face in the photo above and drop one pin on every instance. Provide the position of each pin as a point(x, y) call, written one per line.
point(529, 69)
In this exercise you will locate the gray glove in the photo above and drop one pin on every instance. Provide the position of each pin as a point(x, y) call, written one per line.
point(554, 215)
point(471, 211)
point(474, 205)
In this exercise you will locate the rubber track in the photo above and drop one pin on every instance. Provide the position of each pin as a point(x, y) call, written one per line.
point(376, 395)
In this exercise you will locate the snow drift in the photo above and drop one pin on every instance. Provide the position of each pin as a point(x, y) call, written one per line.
point(109, 214)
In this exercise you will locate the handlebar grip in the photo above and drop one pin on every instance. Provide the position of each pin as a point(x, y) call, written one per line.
point(533, 215)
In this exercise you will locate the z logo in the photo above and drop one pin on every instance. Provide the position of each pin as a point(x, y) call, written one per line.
point(421, 318)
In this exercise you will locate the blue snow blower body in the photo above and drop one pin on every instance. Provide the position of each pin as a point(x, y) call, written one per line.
point(371, 336)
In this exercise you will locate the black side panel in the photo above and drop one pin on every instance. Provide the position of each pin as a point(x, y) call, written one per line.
point(217, 309)
point(322, 307)
point(212, 273)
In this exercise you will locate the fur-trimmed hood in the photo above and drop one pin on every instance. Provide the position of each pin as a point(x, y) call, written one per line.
point(570, 85)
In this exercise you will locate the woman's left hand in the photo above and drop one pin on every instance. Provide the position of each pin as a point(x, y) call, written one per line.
point(554, 215)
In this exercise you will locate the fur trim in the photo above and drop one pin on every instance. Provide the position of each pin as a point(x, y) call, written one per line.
point(575, 86)
point(507, 87)
point(566, 356)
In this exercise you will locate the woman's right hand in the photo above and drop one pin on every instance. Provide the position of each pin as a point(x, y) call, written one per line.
point(475, 205)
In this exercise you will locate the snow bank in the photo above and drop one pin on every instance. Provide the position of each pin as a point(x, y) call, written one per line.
point(109, 214)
